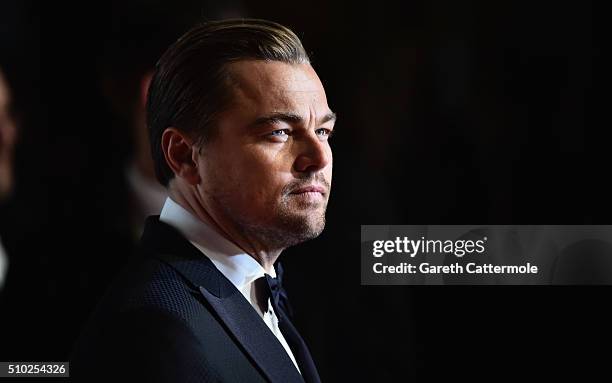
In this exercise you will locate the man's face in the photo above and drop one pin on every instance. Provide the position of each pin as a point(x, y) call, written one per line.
point(267, 169)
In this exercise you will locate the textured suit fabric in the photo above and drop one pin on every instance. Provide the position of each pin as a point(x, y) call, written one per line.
point(171, 316)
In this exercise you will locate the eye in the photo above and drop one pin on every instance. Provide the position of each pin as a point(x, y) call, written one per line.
point(280, 132)
point(323, 132)
point(279, 135)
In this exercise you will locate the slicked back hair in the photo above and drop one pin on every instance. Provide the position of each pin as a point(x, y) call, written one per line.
point(191, 84)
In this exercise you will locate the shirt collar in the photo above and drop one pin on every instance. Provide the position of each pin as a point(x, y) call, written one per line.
point(237, 266)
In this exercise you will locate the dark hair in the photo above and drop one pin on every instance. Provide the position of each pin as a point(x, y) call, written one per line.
point(190, 86)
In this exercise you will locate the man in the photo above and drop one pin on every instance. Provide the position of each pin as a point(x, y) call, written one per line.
point(239, 127)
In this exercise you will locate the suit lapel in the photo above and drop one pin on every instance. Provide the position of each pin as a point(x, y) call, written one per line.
point(300, 351)
point(233, 310)
point(254, 336)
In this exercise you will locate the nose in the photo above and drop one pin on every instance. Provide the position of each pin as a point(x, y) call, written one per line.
point(314, 154)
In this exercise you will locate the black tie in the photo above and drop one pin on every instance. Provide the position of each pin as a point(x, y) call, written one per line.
point(280, 303)
point(278, 295)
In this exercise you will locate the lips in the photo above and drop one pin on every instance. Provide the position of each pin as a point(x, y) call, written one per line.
point(309, 189)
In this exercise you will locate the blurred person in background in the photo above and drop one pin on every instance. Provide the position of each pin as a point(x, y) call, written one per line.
point(8, 135)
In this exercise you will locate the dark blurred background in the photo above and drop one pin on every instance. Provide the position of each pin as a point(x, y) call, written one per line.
point(449, 113)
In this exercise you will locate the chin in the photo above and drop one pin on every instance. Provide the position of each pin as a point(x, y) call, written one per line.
point(305, 228)
point(291, 229)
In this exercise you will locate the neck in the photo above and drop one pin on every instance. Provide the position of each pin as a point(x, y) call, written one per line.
point(191, 201)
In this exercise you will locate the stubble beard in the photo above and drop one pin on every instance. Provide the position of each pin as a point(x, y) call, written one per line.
point(288, 227)
point(292, 227)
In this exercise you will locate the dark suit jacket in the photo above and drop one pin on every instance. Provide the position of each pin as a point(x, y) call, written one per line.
point(171, 316)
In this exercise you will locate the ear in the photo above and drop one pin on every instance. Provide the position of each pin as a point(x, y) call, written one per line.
point(178, 150)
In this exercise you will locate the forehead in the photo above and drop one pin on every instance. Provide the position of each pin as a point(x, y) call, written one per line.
point(272, 85)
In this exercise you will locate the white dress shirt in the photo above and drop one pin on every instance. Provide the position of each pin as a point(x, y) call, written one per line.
point(237, 266)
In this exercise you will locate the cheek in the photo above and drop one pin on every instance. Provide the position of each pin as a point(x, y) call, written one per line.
point(252, 180)
point(264, 174)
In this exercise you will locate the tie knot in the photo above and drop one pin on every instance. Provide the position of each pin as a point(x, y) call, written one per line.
point(273, 283)
point(273, 290)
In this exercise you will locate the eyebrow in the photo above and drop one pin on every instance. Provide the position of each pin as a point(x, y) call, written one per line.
point(290, 118)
